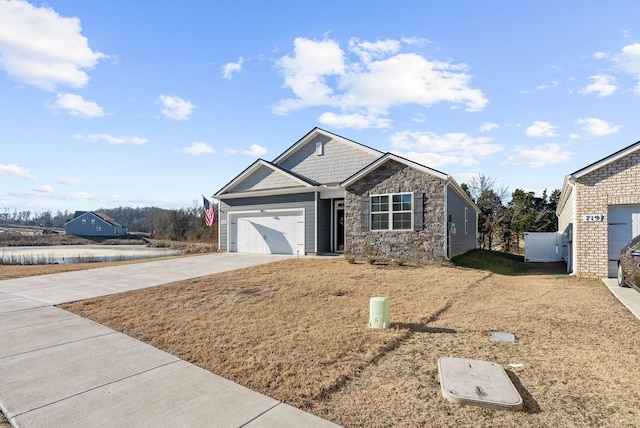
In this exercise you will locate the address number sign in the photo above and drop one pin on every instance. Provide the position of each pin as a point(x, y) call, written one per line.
point(594, 217)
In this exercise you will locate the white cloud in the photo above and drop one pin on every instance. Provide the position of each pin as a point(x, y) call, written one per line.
point(13, 170)
point(198, 148)
point(554, 84)
point(75, 105)
point(68, 181)
point(598, 127)
point(600, 55)
point(367, 51)
point(232, 67)
point(110, 139)
point(436, 150)
point(43, 189)
point(78, 196)
point(377, 77)
point(254, 150)
point(489, 126)
point(41, 48)
point(629, 59)
point(176, 108)
point(306, 73)
point(602, 85)
point(537, 156)
point(354, 121)
point(541, 129)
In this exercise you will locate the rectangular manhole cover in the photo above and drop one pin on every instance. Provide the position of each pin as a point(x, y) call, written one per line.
point(480, 383)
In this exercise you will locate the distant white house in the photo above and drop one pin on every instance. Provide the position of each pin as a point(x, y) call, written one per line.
point(88, 223)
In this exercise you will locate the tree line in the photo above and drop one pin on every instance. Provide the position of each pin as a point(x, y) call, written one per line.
point(504, 218)
point(184, 224)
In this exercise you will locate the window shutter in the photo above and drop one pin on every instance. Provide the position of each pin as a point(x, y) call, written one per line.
point(364, 214)
point(418, 211)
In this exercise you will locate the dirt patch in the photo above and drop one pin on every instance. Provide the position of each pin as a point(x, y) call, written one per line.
point(4, 423)
point(297, 331)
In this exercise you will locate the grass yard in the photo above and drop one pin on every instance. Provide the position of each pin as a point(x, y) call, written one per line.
point(297, 330)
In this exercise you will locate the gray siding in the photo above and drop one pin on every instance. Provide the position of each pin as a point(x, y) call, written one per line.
point(265, 178)
point(93, 225)
point(338, 162)
point(464, 238)
point(278, 202)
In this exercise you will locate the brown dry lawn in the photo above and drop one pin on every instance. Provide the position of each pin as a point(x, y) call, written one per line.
point(298, 331)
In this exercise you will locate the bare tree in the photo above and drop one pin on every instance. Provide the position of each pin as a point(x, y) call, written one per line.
point(493, 222)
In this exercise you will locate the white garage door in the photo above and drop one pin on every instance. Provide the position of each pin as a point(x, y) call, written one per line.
point(270, 233)
point(624, 225)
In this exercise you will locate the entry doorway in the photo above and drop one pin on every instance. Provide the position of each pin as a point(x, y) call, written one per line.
point(338, 216)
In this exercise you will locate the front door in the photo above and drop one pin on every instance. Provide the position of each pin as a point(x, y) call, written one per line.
point(339, 226)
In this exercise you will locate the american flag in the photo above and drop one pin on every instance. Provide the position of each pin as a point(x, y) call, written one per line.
point(209, 212)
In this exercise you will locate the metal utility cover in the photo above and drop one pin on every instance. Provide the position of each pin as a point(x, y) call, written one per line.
point(479, 383)
point(505, 337)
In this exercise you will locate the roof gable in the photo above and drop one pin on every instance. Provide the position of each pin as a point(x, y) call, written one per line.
point(391, 157)
point(263, 175)
point(325, 157)
point(90, 214)
point(570, 179)
point(605, 161)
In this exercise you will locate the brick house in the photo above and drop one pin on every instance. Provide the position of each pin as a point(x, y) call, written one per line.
point(326, 193)
point(599, 212)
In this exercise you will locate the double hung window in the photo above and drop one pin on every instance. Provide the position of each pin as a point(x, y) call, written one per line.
point(392, 212)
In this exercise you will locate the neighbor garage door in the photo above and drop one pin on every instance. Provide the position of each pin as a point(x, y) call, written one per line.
point(270, 233)
point(624, 224)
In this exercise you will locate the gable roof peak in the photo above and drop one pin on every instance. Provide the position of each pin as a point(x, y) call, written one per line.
point(313, 134)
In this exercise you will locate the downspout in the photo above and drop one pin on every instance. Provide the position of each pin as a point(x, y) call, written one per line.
point(219, 222)
point(446, 223)
point(574, 232)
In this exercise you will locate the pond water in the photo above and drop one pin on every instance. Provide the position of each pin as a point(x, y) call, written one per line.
point(80, 254)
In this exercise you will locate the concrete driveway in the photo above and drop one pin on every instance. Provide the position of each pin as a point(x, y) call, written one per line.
point(59, 369)
point(627, 296)
point(67, 287)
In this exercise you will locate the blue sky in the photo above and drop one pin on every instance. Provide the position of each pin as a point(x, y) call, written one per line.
point(139, 103)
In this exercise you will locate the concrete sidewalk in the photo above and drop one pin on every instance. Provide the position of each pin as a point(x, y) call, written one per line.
point(59, 369)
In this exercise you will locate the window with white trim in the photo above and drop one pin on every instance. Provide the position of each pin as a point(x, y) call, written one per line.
point(392, 212)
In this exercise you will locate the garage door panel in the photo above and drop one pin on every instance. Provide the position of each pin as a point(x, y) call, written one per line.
point(274, 233)
point(623, 225)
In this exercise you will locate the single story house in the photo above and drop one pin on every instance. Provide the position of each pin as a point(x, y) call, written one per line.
point(327, 193)
point(88, 223)
point(599, 212)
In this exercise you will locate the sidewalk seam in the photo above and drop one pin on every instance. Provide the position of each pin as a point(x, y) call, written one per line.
point(94, 388)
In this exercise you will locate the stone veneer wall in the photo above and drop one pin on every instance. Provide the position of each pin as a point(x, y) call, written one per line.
point(394, 177)
point(613, 184)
